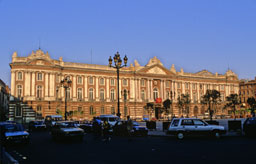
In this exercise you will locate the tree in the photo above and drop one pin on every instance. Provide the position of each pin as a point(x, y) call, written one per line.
point(252, 103)
point(167, 104)
point(232, 101)
point(211, 98)
point(183, 103)
point(59, 112)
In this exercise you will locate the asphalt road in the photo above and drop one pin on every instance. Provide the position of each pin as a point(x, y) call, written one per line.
point(140, 150)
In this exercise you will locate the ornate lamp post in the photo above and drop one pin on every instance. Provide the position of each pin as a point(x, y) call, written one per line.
point(66, 83)
point(118, 65)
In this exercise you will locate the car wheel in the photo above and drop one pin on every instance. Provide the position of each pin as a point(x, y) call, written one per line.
point(180, 135)
point(216, 134)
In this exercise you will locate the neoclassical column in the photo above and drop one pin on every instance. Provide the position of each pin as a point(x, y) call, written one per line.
point(85, 87)
point(107, 86)
point(27, 83)
point(52, 85)
point(97, 87)
point(13, 79)
point(46, 86)
point(74, 86)
point(33, 83)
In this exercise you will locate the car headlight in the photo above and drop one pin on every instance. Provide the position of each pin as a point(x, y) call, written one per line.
point(8, 138)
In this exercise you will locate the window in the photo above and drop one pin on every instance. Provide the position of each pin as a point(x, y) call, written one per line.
point(79, 80)
point(79, 109)
point(102, 110)
point(201, 86)
point(68, 77)
point(112, 82)
point(102, 94)
point(194, 86)
point(124, 82)
point(167, 94)
point(19, 75)
point(18, 111)
point(91, 80)
point(112, 94)
point(91, 110)
point(19, 91)
point(186, 85)
point(207, 86)
point(39, 76)
point(113, 110)
point(175, 122)
point(57, 78)
point(222, 87)
point(199, 122)
point(167, 83)
point(39, 91)
point(187, 122)
point(194, 97)
point(142, 94)
point(232, 88)
point(178, 85)
point(222, 97)
point(39, 111)
point(68, 93)
point(142, 82)
point(91, 94)
point(79, 93)
point(155, 93)
point(101, 81)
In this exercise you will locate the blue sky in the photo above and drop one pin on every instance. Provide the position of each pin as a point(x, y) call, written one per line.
point(192, 34)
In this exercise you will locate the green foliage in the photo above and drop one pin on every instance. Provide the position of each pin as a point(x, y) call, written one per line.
point(183, 103)
point(232, 101)
point(211, 98)
point(167, 104)
point(59, 112)
point(252, 103)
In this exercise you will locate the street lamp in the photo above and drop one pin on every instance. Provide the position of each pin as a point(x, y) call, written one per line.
point(118, 65)
point(66, 83)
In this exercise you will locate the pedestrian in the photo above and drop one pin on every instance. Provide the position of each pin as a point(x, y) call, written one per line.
point(129, 127)
point(97, 128)
point(106, 128)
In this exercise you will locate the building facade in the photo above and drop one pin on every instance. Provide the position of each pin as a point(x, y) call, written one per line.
point(4, 100)
point(247, 90)
point(35, 83)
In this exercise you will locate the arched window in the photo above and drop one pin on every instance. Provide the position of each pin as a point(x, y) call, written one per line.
point(19, 75)
point(39, 91)
point(142, 94)
point(91, 110)
point(102, 110)
point(102, 94)
point(19, 91)
point(101, 81)
point(91, 93)
point(79, 93)
point(112, 94)
point(155, 93)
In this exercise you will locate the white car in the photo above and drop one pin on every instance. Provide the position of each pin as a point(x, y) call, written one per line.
point(181, 127)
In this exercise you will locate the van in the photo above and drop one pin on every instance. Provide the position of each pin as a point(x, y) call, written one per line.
point(51, 120)
point(112, 119)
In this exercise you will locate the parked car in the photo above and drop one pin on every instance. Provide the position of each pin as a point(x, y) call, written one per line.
point(36, 125)
point(120, 129)
point(112, 119)
point(51, 120)
point(12, 133)
point(181, 127)
point(85, 125)
point(249, 126)
point(65, 130)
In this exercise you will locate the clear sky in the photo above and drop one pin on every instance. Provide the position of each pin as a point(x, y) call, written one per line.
point(192, 34)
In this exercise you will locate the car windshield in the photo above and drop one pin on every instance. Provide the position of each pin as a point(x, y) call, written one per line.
point(13, 127)
point(112, 119)
point(67, 125)
point(38, 122)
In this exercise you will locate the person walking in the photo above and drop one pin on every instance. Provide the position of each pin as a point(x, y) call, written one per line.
point(97, 128)
point(106, 128)
point(129, 127)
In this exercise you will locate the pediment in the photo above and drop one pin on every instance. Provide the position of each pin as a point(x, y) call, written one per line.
point(156, 70)
point(40, 61)
point(204, 73)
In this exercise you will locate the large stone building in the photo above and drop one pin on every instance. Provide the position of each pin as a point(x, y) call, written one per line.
point(35, 81)
point(4, 100)
point(247, 90)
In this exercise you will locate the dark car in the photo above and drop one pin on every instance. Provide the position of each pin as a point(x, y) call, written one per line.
point(85, 125)
point(120, 129)
point(12, 133)
point(66, 130)
point(249, 126)
point(36, 125)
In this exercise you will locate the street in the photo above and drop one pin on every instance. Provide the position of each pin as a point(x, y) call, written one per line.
point(140, 150)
